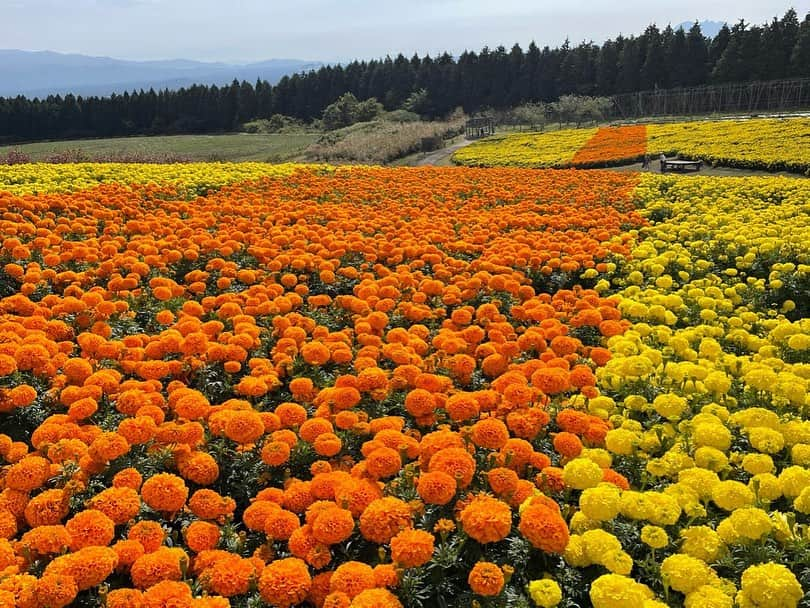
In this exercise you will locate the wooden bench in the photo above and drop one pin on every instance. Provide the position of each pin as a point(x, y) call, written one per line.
point(680, 166)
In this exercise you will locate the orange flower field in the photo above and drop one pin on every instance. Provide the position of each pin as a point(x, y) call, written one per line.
point(383, 388)
point(613, 145)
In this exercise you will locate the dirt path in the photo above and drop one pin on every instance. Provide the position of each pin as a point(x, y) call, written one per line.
point(705, 170)
point(441, 157)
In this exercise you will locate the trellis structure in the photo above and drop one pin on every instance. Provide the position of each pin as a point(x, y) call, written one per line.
point(750, 97)
point(478, 127)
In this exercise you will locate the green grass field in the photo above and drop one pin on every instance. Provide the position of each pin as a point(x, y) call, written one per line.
point(277, 147)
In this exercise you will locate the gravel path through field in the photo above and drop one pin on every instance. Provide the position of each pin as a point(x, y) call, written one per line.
point(442, 157)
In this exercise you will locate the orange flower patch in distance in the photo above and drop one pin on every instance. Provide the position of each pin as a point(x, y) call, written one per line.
point(613, 146)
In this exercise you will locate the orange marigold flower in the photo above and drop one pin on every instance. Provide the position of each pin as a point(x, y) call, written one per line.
point(456, 462)
point(8, 523)
point(55, 591)
point(119, 504)
point(490, 433)
point(383, 462)
point(280, 524)
point(486, 519)
point(544, 528)
point(88, 567)
point(385, 575)
point(420, 402)
point(373, 598)
point(328, 445)
point(332, 526)
point(285, 582)
point(108, 446)
point(207, 504)
point(46, 540)
point(149, 533)
point(384, 518)
point(244, 426)
point(128, 478)
point(201, 535)
point(198, 467)
point(167, 594)
point(275, 453)
point(124, 598)
point(502, 480)
point(163, 564)
point(229, 576)
point(486, 579)
point(28, 474)
point(90, 528)
point(352, 578)
point(165, 492)
point(436, 488)
point(567, 444)
point(338, 599)
point(128, 551)
point(47, 508)
point(551, 380)
point(412, 548)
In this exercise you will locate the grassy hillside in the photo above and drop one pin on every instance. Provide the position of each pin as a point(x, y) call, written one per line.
point(277, 147)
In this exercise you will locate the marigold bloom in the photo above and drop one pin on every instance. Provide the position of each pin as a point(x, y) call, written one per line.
point(90, 528)
point(165, 492)
point(486, 519)
point(412, 548)
point(544, 529)
point(332, 526)
point(285, 582)
point(384, 518)
point(486, 579)
point(352, 578)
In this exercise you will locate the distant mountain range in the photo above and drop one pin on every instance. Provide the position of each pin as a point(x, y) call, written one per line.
point(42, 73)
point(709, 28)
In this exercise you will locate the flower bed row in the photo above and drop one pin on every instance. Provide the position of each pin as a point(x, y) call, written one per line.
point(389, 387)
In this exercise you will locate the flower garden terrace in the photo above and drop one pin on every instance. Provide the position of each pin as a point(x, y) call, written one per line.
point(366, 387)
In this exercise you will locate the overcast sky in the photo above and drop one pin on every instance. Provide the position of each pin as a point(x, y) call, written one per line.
point(249, 30)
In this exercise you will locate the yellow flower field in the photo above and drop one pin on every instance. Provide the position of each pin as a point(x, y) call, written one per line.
point(767, 144)
point(537, 150)
point(246, 385)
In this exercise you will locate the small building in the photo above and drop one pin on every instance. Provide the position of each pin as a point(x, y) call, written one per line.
point(475, 128)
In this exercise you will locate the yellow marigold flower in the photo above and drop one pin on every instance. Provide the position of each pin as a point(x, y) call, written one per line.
point(545, 593)
point(575, 554)
point(621, 441)
point(634, 505)
point(618, 562)
point(766, 440)
point(800, 454)
point(600, 503)
point(654, 537)
point(769, 586)
point(756, 464)
point(731, 495)
point(708, 597)
point(711, 458)
point(766, 487)
point(793, 480)
point(751, 522)
point(582, 473)
point(664, 509)
point(712, 435)
point(701, 542)
point(670, 406)
point(598, 544)
point(616, 591)
point(685, 573)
